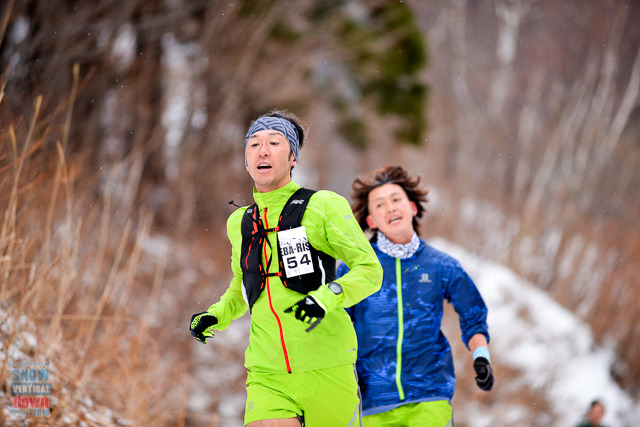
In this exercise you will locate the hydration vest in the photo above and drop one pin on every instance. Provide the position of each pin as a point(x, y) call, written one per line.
point(254, 236)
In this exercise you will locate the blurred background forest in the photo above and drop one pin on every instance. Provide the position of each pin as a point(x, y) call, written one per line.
point(121, 130)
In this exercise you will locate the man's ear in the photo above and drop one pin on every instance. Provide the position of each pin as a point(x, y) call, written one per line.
point(414, 208)
point(292, 164)
point(371, 223)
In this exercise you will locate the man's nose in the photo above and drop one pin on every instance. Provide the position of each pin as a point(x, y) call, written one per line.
point(264, 149)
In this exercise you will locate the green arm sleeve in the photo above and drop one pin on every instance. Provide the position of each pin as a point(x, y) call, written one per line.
point(337, 233)
point(232, 303)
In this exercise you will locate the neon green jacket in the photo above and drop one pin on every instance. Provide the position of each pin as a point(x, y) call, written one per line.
point(278, 341)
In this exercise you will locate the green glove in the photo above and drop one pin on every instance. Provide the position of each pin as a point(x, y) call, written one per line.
point(201, 326)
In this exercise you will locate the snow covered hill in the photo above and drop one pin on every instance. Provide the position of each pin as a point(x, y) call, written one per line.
point(546, 349)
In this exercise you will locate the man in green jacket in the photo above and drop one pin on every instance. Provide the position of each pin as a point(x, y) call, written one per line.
point(302, 345)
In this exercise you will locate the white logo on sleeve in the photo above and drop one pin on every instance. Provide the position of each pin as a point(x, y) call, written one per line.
point(424, 278)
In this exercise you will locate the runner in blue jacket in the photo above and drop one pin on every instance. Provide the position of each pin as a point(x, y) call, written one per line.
point(404, 361)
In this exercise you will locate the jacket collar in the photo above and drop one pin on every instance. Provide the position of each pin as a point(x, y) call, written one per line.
point(275, 197)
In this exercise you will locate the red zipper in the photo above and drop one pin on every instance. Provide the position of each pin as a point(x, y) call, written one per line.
point(284, 346)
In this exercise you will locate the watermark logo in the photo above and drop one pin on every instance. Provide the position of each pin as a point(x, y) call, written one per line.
point(30, 389)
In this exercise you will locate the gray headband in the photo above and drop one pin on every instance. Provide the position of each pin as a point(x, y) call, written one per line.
point(281, 125)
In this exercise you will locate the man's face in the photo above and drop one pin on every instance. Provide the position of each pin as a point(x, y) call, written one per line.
point(269, 160)
point(391, 212)
point(596, 413)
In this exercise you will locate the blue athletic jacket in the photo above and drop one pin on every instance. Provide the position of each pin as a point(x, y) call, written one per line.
point(403, 356)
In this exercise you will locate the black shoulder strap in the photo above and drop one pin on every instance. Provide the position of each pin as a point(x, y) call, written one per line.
point(291, 214)
point(293, 211)
point(250, 220)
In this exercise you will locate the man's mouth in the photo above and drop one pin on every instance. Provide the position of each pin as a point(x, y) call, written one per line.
point(264, 167)
point(394, 219)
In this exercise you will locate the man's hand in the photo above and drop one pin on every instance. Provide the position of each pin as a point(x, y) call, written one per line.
point(201, 324)
point(308, 310)
point(484, 378)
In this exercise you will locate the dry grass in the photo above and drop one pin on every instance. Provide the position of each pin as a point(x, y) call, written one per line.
point(76, 267)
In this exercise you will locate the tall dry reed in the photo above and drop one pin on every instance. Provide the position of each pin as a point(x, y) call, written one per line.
point(76, 267)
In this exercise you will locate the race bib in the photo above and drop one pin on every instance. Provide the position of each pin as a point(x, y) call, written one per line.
point(295, 252)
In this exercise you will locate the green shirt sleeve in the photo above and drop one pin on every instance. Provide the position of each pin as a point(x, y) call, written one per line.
point(332, 228)
point(232, 303)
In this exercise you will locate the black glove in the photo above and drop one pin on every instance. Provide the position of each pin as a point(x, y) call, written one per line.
point(484, 377)
point(308, 310)
point(200, 324)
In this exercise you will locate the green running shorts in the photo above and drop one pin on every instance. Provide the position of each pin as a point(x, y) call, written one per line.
point(324, 397)
point(437, 413)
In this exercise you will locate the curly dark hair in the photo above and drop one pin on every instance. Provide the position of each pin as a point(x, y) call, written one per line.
point(398, 175)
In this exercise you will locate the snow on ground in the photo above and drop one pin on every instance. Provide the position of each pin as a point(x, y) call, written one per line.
point(553, 349)
point(545, 347)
